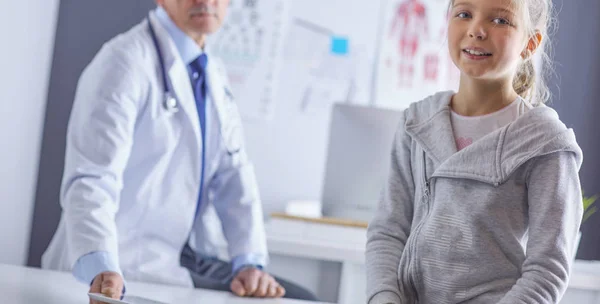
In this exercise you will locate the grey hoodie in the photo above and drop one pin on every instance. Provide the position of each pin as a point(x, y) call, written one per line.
point(452, 227)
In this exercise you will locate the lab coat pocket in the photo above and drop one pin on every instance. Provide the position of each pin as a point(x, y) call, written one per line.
point(233, 138)
point(232, 130)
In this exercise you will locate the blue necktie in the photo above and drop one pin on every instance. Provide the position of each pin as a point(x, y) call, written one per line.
point(198, 79)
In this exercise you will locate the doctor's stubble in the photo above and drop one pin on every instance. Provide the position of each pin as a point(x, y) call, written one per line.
point(197, 18)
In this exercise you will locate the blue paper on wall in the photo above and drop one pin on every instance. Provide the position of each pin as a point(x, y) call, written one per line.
point(339, 45)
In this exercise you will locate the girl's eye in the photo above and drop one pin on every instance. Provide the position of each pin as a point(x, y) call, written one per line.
point(463, 15)
point(501, 21)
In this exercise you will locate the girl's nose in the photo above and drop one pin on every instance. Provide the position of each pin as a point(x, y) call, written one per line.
point(478, 32)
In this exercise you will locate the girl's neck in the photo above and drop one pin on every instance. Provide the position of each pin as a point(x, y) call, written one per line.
point(479, 97)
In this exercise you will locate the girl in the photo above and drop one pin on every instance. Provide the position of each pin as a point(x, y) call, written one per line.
point(483, 202)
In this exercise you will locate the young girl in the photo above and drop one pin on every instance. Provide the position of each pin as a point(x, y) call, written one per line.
point(483, 202)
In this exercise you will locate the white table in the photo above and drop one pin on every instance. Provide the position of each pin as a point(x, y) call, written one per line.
point(347, 245)
point(21, 285)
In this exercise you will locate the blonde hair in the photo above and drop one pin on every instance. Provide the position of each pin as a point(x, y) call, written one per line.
point(529, 81)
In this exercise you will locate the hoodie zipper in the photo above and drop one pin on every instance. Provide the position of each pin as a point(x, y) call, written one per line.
point(426, 197)
point(426, 181)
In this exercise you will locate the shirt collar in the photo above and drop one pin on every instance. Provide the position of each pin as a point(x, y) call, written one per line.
point(186, 46)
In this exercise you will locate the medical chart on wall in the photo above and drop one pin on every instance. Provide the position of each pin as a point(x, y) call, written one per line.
point(309, 54)
point(413, 59)
point(327, 63)
point(250, 45)
point(330, 49)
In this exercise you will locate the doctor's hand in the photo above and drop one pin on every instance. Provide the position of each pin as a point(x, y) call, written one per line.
point(252, 282)
point(109, 284)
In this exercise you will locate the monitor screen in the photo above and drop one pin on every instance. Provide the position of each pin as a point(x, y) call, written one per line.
point(358, 160)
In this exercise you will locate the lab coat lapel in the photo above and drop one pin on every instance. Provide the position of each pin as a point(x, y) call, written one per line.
point(183, 90)
point(217, 86)
point(178, 77)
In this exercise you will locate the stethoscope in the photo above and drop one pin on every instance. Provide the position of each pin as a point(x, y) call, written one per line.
point(170, 103)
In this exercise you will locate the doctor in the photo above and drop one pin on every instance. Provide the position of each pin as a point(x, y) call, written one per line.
point(155, 166)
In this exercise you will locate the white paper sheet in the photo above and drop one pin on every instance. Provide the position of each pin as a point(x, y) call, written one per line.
point(250, 44)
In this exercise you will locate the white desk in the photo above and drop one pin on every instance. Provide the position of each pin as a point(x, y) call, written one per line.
point(324, 242)
point(21, 285)
point(347, 246)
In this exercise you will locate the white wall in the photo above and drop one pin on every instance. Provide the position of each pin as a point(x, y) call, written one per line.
point(289, 152)
point(27, 29)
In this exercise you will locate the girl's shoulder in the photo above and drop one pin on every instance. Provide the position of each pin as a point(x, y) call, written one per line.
point(434, 102)
point(423, 109)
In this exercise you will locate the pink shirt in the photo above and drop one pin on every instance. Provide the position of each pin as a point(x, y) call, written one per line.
point(468, 129)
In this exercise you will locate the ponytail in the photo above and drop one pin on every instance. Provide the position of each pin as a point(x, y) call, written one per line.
point(524, 81)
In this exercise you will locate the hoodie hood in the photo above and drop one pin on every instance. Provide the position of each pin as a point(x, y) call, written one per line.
point(494, 157)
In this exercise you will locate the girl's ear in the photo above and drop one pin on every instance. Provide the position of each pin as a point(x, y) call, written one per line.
point(534, 42)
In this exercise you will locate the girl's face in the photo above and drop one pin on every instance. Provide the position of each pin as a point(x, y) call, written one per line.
point(486, 38)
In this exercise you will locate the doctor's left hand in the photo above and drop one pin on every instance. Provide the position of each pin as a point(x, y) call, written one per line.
point(109, 284)
point(252, 282)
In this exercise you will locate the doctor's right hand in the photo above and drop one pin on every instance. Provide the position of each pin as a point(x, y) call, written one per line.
point(252, 282)
point(109, 284)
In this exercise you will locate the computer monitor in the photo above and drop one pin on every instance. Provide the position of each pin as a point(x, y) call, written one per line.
point(358, 160)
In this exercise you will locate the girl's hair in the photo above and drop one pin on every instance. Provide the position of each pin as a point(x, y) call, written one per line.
point(529, 82)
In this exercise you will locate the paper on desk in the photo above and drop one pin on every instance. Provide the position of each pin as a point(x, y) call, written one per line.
point(126, 300)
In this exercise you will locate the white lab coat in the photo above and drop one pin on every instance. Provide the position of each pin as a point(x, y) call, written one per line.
point(132, 169)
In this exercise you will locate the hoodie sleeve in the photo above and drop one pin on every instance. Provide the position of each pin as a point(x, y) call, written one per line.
point(390, 227)
point(555, 211)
